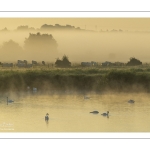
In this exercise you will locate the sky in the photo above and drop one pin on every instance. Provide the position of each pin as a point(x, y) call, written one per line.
point(132, 24)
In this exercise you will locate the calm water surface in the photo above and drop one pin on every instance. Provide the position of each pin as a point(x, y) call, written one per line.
point(70, 113)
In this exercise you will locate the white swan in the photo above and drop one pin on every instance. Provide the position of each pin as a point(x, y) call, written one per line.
point(94, 112)
point(105, 114)
point(131, 101)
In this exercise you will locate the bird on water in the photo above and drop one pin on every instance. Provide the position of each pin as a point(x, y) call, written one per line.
point(105, 114)
point(9, 101)
point(131, 101)
point(47, 117)
point(94, 112)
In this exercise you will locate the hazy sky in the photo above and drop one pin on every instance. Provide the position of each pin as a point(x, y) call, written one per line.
point(83, 46)
point(88, 23)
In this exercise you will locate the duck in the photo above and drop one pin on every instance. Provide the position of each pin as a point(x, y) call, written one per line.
point(94, 112)
point(131, 101)
point(105, 114)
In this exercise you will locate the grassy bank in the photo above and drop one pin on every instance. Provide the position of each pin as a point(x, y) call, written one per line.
point(86, 79)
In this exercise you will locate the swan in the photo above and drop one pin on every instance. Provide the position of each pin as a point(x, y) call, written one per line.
point(94, 112)
point(131, 101)
point(46, 117)
point(34, 90)
point(105, 114)
point(9, 101)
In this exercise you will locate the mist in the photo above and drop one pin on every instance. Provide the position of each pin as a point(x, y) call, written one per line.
point(81, 46)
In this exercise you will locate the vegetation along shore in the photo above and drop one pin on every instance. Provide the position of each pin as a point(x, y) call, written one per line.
point(124, 79)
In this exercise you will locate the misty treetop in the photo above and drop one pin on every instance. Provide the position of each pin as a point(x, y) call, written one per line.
point(11, 46)
point(5, 29)
point(24, 28)
point(40, 42)
point(58, 26)
point(9, 49)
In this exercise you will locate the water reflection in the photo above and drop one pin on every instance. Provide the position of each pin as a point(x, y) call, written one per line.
point(71, 113)
point(47, 122)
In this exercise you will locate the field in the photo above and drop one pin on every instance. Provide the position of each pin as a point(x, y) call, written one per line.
point(80, 79)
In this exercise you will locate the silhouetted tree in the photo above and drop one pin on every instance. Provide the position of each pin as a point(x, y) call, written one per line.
point(43, 62)
point(63, 63)
point(133, 62)
point(58, 63)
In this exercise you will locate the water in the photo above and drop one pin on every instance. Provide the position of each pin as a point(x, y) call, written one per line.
point(70, 113)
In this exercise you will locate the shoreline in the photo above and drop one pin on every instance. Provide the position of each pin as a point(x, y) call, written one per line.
point(78, 80)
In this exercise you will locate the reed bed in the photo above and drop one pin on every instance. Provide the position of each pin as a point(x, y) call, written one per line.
point(96, 79)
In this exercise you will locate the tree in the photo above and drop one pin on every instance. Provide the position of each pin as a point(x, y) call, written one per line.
point(11, 46)
point(63, 63)
point(133, 62)
point(43, 62)
point(40, 46)
point(11, 50)
point(44, 42)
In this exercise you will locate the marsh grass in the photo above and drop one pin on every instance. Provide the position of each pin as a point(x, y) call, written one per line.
point(86, 79)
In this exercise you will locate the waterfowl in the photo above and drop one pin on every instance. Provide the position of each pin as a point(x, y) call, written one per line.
point(46, 117)
point(105, 114)
point(94, 112)
point(9, 101)
point(34, 90)
point(131, 101)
